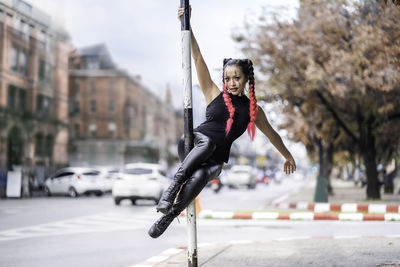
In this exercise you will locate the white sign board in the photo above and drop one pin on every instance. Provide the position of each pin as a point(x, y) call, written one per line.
point(14, 183)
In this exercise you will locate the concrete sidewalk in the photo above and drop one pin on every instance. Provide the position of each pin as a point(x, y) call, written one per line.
point(360, 251)
point(344, 192)
point(348, 203)
point(299, 251)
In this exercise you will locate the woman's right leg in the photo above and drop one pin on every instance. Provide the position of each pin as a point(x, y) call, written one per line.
point(188, 193)
point(202, 150)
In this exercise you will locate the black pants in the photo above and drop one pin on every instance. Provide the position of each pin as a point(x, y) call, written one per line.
point(196, 171)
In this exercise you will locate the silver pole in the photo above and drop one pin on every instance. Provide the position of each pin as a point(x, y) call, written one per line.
point(188, 126)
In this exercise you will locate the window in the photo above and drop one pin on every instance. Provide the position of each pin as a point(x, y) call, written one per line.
point(39, 145)
point(23, 62)
point(73, 106)
point(111, 106)
point(76, 88)
point(48, 146)
point(17, 24)
point(25, 31)
point(138, 171)
point(91, 173)
point(22, 101)
point(46, 106)
point(44, 71)
point(163, 173)
point(43, 106)
point(43, 40)
point(19, 60)
point(112, 129)
point(76, 130)
point(92, 63)
point(92, 106)
point(76, 106)
point(14, 59)
point(63, 174)
point(92, 129)
point(127, 124)
point(12, 91)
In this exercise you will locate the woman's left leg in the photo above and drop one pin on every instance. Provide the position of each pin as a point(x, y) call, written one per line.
point(188, 193)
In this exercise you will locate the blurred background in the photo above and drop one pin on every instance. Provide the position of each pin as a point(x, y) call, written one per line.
point(98, 84)
point(91, 110)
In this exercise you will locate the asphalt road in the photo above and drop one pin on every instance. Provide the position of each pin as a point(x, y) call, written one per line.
point(92, 231)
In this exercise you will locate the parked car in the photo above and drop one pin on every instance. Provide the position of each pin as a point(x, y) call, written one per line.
point(74, 181)
point(240, 175)
point(109, 174)
point(140, 181)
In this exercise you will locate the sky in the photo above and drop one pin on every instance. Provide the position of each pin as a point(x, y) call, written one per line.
point(144, 38)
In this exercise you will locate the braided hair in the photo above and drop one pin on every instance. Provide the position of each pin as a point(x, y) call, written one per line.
point(247, 68)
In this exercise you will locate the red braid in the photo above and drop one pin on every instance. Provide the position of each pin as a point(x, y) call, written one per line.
point(231, 109)
point(251, 127)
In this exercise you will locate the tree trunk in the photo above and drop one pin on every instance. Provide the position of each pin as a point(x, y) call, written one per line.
point(369, 156)
point(327, 155)
point(321, 192)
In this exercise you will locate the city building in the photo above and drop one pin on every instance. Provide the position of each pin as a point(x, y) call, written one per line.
point(114, 118)
point(33, 90)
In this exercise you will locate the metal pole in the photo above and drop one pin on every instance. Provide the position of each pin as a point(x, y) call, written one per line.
point(188, 126)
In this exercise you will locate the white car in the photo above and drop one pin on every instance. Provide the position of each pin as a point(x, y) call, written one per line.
point(75, 181)
point(140, 181)
point(108, 173)
point(240, 175)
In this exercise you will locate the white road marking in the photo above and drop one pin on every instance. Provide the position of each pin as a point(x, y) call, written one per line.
point(104, 222)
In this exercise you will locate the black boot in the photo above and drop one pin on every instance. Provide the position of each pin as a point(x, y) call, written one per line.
point(161, 225)
point(188, 193)
point(168, 197)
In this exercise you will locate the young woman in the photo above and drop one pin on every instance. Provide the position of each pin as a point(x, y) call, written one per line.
point(228, 114)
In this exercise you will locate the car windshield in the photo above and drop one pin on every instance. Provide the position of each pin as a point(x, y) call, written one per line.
point(138, 171)
point(91, 173)
point(241, 171)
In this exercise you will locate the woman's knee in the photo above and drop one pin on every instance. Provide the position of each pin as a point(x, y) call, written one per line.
point(213, 171)
point(199, 177)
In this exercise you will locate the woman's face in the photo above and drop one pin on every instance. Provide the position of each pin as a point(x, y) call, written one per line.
point(234, 79)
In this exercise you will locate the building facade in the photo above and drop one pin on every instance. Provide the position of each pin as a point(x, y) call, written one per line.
point(114, 118)
point(33, 89)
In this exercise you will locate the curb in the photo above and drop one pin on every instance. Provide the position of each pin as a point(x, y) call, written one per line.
point(169, 253)
point(345, 207)
point(209, 214)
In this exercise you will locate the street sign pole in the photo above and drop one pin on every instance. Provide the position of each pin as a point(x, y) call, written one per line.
point(188, 126)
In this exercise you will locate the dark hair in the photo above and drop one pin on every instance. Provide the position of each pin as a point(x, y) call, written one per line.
point(247, 68)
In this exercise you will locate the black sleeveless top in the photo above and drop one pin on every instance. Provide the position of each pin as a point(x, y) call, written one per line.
point(214, 127)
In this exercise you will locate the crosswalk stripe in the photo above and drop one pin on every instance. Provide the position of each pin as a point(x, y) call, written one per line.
point(104, 222)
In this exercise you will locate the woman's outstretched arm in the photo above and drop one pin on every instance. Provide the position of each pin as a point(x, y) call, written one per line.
point(208, 87)
point(265, 127)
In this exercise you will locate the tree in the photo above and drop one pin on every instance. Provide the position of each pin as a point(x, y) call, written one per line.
point(338, 63)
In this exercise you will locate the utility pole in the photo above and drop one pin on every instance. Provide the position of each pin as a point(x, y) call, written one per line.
point(188, 125)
